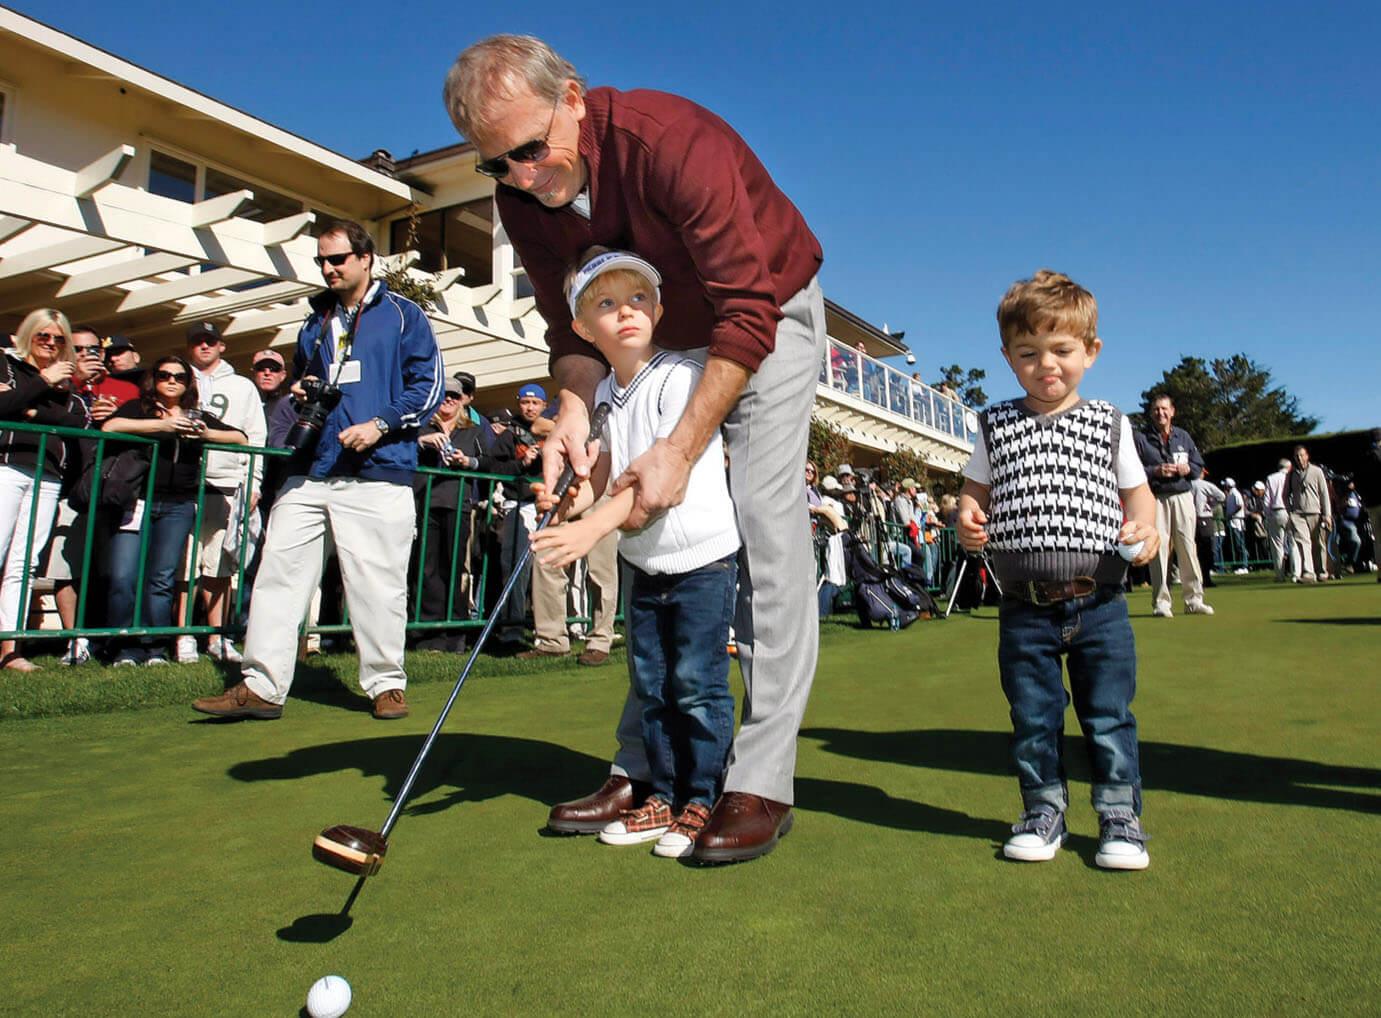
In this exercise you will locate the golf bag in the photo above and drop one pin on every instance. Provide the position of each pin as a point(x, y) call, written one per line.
point(873, 597)
point(907, 587)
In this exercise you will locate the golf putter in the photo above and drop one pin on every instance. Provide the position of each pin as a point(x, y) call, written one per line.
point(361, 851)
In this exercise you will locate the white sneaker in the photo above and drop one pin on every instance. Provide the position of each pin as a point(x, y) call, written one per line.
point(1240, 572)
point(1198, 608)
point(635, 826)
point(1121, 842)
point(1163, 613)
point(1038, 836)
point(126, 658)
point(186, 650)
point(223, 650)
point(156, 658)
point(78, 652)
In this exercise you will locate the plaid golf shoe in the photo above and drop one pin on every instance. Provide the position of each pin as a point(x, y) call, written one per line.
point(647, 822)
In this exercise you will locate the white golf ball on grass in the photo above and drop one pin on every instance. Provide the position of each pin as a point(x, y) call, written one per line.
point(329, 997)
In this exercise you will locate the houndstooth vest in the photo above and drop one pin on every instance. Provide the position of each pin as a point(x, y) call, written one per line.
point(1055, 510)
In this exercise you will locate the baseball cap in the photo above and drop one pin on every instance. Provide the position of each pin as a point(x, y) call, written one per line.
point(116, 343)
point(843, 469)
point(268, 355)
point(454, 388)
point(907, 484)
point(1259, 484)
point(533, 389)
point(1228, 482)
point(608, 262)
point(204, 329)
point(831, 484)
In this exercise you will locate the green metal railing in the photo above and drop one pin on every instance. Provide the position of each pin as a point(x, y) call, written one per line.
point(107, 444)
point(91, 518)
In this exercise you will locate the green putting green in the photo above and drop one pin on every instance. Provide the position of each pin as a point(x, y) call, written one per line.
point(160, 863)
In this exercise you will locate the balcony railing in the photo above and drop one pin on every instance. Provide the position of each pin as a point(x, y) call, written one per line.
point(844, 369)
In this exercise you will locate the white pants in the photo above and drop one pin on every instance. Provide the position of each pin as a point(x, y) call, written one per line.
point(1175, 520)
point(1277, 524)
point(372, 524)
point(16, 515)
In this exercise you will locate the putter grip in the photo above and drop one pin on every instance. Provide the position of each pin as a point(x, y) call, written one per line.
point(597, 420)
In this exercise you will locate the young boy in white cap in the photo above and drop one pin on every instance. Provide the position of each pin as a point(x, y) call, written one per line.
point(683, 566)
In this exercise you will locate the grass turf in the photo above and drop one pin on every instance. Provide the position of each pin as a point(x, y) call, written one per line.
point(160, 863)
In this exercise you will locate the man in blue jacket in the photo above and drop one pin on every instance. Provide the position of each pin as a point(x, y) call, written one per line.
point(378, 349)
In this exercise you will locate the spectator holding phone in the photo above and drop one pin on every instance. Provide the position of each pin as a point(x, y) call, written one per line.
point(167, 410)
point(36, 387)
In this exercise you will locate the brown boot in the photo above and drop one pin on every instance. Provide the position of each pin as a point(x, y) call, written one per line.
point(390, 705)
point(239, 701)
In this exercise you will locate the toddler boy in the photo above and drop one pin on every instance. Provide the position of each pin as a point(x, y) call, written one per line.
point(683, 565)
point(1050, 482)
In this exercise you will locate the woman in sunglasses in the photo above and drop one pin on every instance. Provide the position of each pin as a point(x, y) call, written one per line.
point(166, 410)
point(35, 387)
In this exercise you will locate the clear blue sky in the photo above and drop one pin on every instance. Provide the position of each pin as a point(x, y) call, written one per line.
point(1212, 171)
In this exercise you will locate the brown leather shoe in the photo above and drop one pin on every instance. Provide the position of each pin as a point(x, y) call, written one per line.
point(528, 655)
point(590, 814)
point(239, 701)
point(390, 705)
point(742, 827)
point(594, 658)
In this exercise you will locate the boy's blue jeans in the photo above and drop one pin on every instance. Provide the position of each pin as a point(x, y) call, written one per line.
point(1094, 636)
point(680, 627)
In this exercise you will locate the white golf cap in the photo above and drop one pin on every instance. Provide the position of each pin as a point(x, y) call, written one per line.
point(607, 262)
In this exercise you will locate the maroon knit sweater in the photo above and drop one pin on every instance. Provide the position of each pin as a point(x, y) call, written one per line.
point(672, 182)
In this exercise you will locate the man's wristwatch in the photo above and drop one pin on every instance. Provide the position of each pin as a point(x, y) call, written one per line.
point(381, 424)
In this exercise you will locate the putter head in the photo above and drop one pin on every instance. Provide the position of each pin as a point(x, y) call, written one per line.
point(352, 849)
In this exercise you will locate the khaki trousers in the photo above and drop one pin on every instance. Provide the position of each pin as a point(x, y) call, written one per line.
point(1175, 519)
point(602, 586)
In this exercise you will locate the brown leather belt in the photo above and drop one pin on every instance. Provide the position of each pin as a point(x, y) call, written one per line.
point(1043, 592)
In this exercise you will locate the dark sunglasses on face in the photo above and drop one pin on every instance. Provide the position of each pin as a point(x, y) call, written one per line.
point(528, 152)
point(335, 259)
point(268, 366)
point(170, 376)
point(87, 350)
point(450, 396)
point(56, 338)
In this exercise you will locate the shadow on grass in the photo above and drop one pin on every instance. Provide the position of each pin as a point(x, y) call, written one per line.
point(470, 767)
point(871, 805)
point(1347, 621)
point(1192, 770)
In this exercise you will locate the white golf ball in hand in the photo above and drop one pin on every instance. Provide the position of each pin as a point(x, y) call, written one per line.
point(329, 997)
point(1130, 551)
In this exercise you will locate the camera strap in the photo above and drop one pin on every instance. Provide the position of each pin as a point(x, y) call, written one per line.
point(346, 344)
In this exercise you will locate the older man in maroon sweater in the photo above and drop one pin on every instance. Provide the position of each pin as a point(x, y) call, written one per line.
point(659, 175)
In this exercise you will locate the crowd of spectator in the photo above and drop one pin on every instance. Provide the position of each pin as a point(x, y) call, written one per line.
point(897, 521)
point(1303, 521)
point(57, 374)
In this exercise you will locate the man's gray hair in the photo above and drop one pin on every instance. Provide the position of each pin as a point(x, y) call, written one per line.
point(500, 67)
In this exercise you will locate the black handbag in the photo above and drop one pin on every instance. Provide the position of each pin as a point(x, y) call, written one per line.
point(123, 478)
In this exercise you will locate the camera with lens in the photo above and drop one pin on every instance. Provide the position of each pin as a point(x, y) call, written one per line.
point(318, 400)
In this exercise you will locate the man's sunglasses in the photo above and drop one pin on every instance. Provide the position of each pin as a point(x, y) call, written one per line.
point(84, 350)
point(335, 259)
point(528, 152)
point(170, 376)
point(269, 366)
